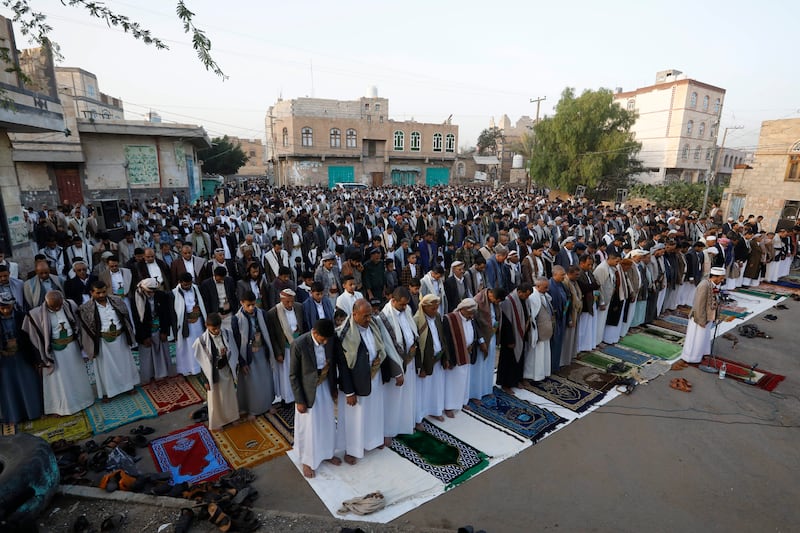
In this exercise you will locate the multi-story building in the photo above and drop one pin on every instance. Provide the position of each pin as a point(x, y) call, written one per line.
point(320, 141)
point(84, 90)
point(254, 150)
point(512, 135)
point(770, 184)
point(677, 126)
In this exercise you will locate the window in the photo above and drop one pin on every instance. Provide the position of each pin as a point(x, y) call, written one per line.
point(450, 143)
point(351, 138)
point(689, 127)
point(285, 137)
point(461, 169)
point(252, 153)
point(697, 154)
point(793, 172)
point(701, 129)
point(725, 161)
point(693, 100)
point(631, 105)
point(685, 153)
point(437, 142)
point(380, 119)
point(712, 130)
point(399, 140)
point(705, 103)
point(708, 154)
point(366, 107)
point(90, 91)
point(416, 141)
point(716, 106)
point(377, 107)
point(307, 136)
point(336, 138)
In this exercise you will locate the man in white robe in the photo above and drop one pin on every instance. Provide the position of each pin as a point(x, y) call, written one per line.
point(464, 341)
point(537, 359)
point(188, 323)
point(704, 315)
point(285, 324)
point(346, 300)
point(218, 356)
point(431, 354)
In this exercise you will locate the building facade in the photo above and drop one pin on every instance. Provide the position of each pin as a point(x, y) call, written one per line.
point(256, 156)
point(512, 135)
point(314, 141)
point(677, 125)
point(770, 185)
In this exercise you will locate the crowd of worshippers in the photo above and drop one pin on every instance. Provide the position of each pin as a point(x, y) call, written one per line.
point(394, 303)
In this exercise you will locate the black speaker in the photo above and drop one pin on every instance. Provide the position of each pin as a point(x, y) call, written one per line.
point(108, 214)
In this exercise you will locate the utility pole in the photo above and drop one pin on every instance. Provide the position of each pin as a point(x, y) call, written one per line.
point(713, 175)
point(538, 101)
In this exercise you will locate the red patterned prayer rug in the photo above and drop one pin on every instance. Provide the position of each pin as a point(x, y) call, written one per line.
point(189, 454)
point(171, 394)
point(765, 380)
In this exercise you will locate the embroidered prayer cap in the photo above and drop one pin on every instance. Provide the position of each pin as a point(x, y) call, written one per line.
point(711, 238)
point(467, 303)
point(149, 284)
point(430, 299)
point(7, 299)
point(717, 271)
point(569, 239)
point(457, 263)
point(327, 256)
point(106, 255)
point(288, 292)
point(639, 252)
point(470, 239)
point(712, 251)
point(512, 252)
point(219, 250)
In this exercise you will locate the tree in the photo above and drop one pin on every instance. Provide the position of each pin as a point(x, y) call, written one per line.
point(34, 25)
point(487, 140)
point(223, 157)
point(525, 145)
point(587, 142)
point(678, 195)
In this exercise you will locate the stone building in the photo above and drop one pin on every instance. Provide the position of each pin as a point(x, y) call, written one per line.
point(677, 126)
point(321, 141)
point(770, 185)
point(30, 109)
point(512, 134)
point(254, 150)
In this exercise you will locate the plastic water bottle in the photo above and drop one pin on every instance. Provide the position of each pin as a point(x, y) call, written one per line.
point(723, 370)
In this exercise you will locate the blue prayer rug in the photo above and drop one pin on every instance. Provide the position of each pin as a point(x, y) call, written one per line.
point(437, 452)
point(121, 410)
point(681, 321)
point(632, 357)
point(563, 392)
point(521, 417)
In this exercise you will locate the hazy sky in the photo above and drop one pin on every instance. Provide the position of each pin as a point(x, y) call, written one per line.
point(474, 60)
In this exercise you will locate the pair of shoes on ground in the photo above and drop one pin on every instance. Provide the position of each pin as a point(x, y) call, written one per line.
point(680, 384)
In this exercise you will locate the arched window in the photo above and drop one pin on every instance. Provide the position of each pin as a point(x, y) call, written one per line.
point(307, 136)
point(705, 103)
point(285, 137)
point(716, 106)
point(697, 153)
point(450, 143)
point(399, 140)
point(351, 138)
point(693, 100)
point(336, 138)
point(712, 130)
point(437, 142)
point(701, 129)
point(689, 127)
point(461, 170)
point(725, 161)
point(416, 141)
point(631, 105)
point(685, 153)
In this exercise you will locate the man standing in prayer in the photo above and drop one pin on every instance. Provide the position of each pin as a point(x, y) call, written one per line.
point(152, 321)
point(285, 324)
point(20, 392)
point(107, 336)
point(538, 360)
point(40, 284)
point(463, 341)
point(573, 312)
point(218, 356)
point(431, 353)
point(219, 295)
point(516, 331)
point(188, 323)
point(487, 319)
point(312, 373)
point(54, 331)
point(606, 275)
point(702, 318)
point(256, 390)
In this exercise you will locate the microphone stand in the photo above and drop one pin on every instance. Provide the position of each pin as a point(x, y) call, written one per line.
point(712, 368)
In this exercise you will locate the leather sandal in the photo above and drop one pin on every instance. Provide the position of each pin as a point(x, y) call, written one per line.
point(217, 517)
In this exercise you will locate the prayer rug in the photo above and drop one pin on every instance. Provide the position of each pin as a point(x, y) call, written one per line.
point(629, 356)
point(601, 361)
point(683, 313)
point(198, 383)
point(675, 319)
point(788, 284)
point(52, 428)
point(189, 454)
point(668, 324)
point(651, 345)
point(172, 355)
point(666, 334)
point(121, 410)
point(760, 294)
point(250, 443)
point(171, 394)
point(740, 371)
point(566, 393)
point(651, 370)
point(283, 420)
point(590, 376)
point(437, 452)
point(519, 416)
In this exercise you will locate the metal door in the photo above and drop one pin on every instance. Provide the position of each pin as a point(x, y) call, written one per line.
point(437, 176)
point(341, 175)
point(68, 181)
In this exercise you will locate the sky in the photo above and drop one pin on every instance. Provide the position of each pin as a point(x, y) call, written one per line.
point(474, 60)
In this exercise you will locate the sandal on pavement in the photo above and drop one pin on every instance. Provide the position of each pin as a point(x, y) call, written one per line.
point(217, 517)
point(143, 430)
point(185, 520)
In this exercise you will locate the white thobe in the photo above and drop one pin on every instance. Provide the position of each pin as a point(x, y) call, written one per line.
point(115, 369)
point(315, 430)
point(67, 389)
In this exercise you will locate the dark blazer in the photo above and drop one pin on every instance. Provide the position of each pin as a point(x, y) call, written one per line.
point(208, 291)
point(424, 358)
point(230, 264)
point(140, 272)
point(451, 292)
point(243, 285)
point(163, 308)
point(357, 380)
point(276, 335)
point(310, 312)
point(562, 258)
point(74, 289)
point(303, 373)
point(588, 284)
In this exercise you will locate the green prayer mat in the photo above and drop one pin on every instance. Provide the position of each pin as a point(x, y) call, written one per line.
point(760, 294)
point(601, 361)
point(651, 345)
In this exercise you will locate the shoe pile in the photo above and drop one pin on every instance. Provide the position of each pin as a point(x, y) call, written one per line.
point(750, 331)
point(226, 503)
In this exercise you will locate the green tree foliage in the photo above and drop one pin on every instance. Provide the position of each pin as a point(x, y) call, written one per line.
point(487, 140)
point(678, 195)
point(223, 157)
point(587, 142)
